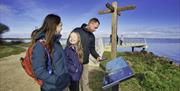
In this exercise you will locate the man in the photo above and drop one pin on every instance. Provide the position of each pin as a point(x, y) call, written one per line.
point(117, 39)
point(121, 40)
point(88, 44)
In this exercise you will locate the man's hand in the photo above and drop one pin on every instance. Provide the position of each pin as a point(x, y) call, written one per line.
point(101, 59)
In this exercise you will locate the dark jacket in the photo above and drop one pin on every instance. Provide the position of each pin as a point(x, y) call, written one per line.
point(88, 43)
point(73, 64)
point(59, 79)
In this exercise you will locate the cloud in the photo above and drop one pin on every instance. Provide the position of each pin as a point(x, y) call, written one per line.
point(29, 10)
point(174, 29)
point(157, 32)
point(6, 10)
point(146, 32)
point(36, 11)
point(93, 11)
point(23, 16)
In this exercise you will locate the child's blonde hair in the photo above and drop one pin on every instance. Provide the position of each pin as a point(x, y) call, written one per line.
point(79, 48)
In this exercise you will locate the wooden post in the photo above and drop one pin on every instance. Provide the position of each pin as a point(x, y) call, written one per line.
point(114, 31)
point(115, 10)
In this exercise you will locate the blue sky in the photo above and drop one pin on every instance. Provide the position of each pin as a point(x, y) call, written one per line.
point(151, 18)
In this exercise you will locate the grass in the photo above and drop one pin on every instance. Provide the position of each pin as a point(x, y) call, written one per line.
point(8, 49)
point(96, 79)
point(152, 73)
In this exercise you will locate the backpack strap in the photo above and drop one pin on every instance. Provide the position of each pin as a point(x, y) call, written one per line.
point(49, 62)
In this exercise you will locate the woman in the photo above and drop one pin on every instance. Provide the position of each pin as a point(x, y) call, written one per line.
point(53, 73)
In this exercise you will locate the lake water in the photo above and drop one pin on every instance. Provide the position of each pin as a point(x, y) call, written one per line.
point(169, 48)
point(165, 47)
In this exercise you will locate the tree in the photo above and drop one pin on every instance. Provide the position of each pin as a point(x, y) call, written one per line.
point(3, 28)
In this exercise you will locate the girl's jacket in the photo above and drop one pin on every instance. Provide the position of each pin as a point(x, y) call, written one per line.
point(74, 66)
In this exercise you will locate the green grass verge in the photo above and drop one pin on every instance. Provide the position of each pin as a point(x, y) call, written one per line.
point(96, 78)
point(8, 49)
point(152, 73)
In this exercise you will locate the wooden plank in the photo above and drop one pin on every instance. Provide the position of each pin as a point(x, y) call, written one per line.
point(104, 11)
point(130, 7)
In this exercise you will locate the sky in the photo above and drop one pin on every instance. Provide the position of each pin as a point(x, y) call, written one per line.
point(150, 19)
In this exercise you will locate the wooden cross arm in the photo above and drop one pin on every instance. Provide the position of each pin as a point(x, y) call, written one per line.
point(109, 10)
point(130, 7)
point(104, 11)
point(109, 6)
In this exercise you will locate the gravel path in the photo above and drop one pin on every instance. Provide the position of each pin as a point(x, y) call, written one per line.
point(13, 77)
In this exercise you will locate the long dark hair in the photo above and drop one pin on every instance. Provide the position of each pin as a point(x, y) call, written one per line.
point(49, 28)
point(33, 37)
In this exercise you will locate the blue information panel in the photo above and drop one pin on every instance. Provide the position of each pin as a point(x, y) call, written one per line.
point(117, 70)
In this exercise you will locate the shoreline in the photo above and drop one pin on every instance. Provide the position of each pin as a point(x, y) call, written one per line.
point(164, 58)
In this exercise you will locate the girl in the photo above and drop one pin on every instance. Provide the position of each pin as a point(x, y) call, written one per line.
point(74, 58)
point(53, 73)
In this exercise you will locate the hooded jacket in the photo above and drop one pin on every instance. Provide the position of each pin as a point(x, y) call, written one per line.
point(59, 79)
point(88, 43)
point(74, 66)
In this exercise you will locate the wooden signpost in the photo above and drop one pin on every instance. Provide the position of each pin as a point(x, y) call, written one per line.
point(115, 10)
